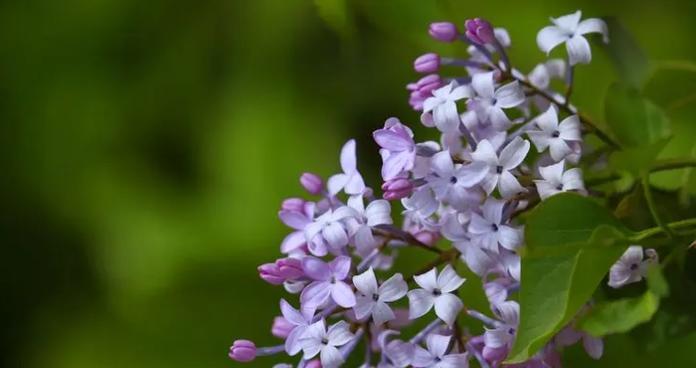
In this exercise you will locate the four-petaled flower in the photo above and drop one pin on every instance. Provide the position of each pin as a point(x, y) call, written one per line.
point(569, 29)
point(490, 102)
point(555, 180)
point(350, 181)
point(373, 299)
point(317, 340)
point(328, 283)
point(328, 232)
point(554, 136)
point(436, 291)
point(631, 267)
point(398, 150)
point(489, 229)
point(451, 183)
point(504, 333)
point(436, 355)
point(301, 320)
point(360, 225)
point(443, 106)
point(500, 166)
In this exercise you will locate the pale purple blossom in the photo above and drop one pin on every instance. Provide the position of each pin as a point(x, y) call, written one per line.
point(451, 182)
point(365, 219)
point(489, 228)
point(503, 335)
point(436, 290)
point(555, 180)
point(372, 299)
point(300, 321)
point(350, 181)
point(558, 138)
point(398, 150)
point(436, 356)
point(490, 102)
point(631, 267)
point(328, 283)
point(328, 232)
point(317, 340)
point(570, 29)
point(443, 105)
point(500, 166)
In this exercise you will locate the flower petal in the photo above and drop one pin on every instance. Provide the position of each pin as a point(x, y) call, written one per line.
point(419, 303)
point(339, 333)
point(550, 37)
point(315, 294)
point(509, 95)
point(593, 25)
point(366, 282)
point(348, 159)
point(428, 280)
point(378, 213)
point(393, 289)
point(578, 50)
point(382, 313)
point(330, 357)
point(448, 280)
point(514, 153)
point(509, 186)
point(316, 269)
point(438, 344)
point(483, 84)
point(342, 294)
point(447, 306)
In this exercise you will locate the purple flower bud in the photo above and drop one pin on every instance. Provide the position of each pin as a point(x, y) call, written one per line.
point(313, 364)
point(397, 188)
point(312, 183)
point(479, 31)
point(427, 237)
point(270, 273)
point(243, 351)
point(281, 327)
point(494, 354)
point(428, 83)
point(427, 63)
point(289, 268)
point(443, 31)
point(293, 204)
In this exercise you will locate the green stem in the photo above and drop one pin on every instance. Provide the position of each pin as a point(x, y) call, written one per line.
point(647, 233)
point(645, 183)
point(662, 165)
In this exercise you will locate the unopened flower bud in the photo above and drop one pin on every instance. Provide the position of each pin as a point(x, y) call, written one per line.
point(270, 273)
point(479, 31)
point(313, 364)
point(243, 351)
point(397, 188)
point(427, 63)
point(428, 83)
point(427, 237)
point(443, 31)
point(293, 204)
point(289, 268)
point(312, 183)
point(281, 327)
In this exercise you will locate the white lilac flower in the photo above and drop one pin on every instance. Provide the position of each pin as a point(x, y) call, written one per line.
point(328, 283)
point(503, 334)
point(350, 181)
point(372, 299)
point(570, 29)
point(397, 353)
point(298, 221)
point(421, 203)
point(490, 102)
point(554, 136)
point(451, 183)
point(436, 355)
point(489, 229)
point(300, 321)
point(631, 267)
point(499, 173)
point(436, 291)
point(317, 340)
point(376, 213)
point(555, 180)
point(328, 232)
point(398, 150)
point(443, 106)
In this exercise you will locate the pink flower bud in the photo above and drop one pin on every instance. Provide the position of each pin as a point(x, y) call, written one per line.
point(312, 183)
point(281, 327)
point(428, 83)
point(479, 31)
point(293, 204)
point(270, 273)
point(443, 31)
point(289, 268)
point(427, 237)
point(427, 63)
point(243, 351)
point(313, 364)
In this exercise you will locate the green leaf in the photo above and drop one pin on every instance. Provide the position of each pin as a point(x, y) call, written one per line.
point(566, 218)
point(656, 281)
point(620, 316)
point(635, 121)
point(629, 60)
point(572, 241)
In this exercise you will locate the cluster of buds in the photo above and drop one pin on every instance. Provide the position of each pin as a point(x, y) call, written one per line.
point(466, 188)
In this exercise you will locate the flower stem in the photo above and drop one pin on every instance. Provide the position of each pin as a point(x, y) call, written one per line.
point(647, 193)
point(677, 225)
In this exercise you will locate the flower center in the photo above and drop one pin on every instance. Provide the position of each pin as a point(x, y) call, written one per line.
point(499, 169)
point(437, 292)
point(325, 341)
point(559, 187)
point(453, 180)
point(375, 297)
point(511, 331)
point(494, 227)
point(634, 266)
point(556, 134)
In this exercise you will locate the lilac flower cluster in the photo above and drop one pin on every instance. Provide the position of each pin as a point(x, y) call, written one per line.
point(467, 188)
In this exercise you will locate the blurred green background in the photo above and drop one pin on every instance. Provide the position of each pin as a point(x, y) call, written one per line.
point(146, 146)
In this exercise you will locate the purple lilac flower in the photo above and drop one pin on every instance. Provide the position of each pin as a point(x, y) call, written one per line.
point(436, 291)
point(376, 213)
point(500, 166)
point(350, 180)
point(327, 232)
point(490, 102)
point(328, 283)
point(443, 31)
point(427, 63)
point(451, 183)
point(312, 183)
point(554, 136)
point(488, 229)
point(479, 31)
point(317, 340)
point(300, 320)
point(372, 299)
point(570, 29)
point(398, 150)
point(631, 267)
point(436, 355)
point(443, 107)
point(243, 351)
point(555, 180)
